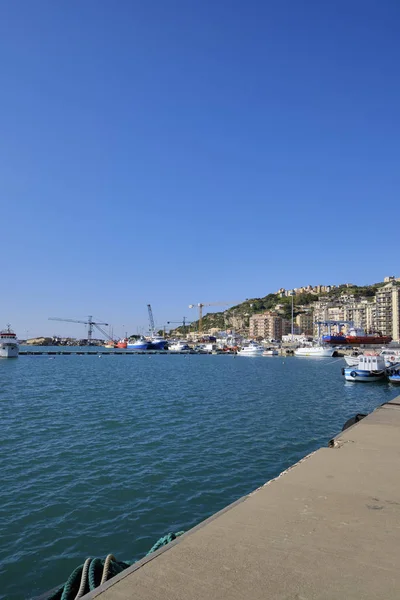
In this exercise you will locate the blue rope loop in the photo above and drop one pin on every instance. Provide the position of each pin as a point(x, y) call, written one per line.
point(70, 589)
point(163, 541)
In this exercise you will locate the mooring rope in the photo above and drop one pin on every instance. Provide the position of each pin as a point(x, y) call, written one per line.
point(96, 571)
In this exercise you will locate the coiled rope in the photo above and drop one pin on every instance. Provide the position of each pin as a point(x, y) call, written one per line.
point(96, 571)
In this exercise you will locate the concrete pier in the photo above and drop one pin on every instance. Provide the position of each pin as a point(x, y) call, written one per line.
point(327, 528)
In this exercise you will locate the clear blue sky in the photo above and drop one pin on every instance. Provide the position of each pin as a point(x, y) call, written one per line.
point(179, 151)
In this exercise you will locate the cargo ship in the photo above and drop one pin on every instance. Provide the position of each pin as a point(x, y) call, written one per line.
point(356, 337)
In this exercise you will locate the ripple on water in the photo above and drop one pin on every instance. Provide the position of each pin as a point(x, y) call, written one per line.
point(106, 456)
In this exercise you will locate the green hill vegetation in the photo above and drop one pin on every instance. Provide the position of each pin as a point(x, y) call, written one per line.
point(237, 317)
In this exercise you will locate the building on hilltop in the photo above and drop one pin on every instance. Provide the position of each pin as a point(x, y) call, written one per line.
point(388, 310)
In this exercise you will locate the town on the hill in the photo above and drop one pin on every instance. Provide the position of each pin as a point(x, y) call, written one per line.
point(373, 308)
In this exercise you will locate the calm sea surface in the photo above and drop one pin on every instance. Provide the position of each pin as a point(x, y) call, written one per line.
point(107, 454)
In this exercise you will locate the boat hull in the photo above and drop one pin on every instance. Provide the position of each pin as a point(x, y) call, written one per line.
point(360, 375)
point(393, 374)
point(356, 340)
point(179, 347)
point(314, 352)
point(334, 339)
point(251, 351)
point(9, 350)
point(159, 345)
point(141, 346)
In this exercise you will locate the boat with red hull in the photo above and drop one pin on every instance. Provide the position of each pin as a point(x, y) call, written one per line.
point(356, 340)
point(357, 337)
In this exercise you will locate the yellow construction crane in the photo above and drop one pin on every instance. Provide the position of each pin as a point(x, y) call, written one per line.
point(201, 305)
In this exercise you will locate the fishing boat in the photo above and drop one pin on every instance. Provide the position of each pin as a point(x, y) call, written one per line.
point(157, 343)
point(139, 344)
point(315, 351)
point(252, 349)
point(9, 347)
point(122, 343)
point(393, 374)
point(109, 344)
point(370, 368)
point(179, 347)
point(391, 358)
point(270, 352)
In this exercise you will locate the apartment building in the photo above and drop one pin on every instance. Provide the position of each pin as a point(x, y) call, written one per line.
point(358, 310)
point(267, 325)
point(305, 323)
point(362, 313)
point(388, 310)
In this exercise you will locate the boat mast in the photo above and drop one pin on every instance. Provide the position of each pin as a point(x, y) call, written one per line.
point(292, 319)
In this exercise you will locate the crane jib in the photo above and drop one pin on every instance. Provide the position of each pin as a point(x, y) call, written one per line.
point(90, 323)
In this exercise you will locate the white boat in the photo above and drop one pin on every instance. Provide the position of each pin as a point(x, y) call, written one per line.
point(9, 347)
point(179, 347)
point(371, 367)
point(270, 352)
point(253, 349)
point(391, 358)
point(351, 361)
point(315, 351)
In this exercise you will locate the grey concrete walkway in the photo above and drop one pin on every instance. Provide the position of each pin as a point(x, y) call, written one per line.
point(328, 528)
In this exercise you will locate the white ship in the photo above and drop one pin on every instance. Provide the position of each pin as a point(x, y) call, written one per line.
point(252, 349)
point(8, 344)
point(317, 351)
point(179, 347)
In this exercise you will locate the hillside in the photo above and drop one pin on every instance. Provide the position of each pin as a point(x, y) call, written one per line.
point(237, 317)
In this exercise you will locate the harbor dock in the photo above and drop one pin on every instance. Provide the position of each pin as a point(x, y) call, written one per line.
point(118, 352)
point(326, 528)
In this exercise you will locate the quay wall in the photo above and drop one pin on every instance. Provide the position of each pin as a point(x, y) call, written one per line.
point(326, 528)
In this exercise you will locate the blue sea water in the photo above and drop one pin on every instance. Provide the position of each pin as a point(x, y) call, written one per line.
point(107, 454)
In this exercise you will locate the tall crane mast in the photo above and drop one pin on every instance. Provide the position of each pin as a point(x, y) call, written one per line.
point(201, 305)
point(90, 323)
point(152, 327)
